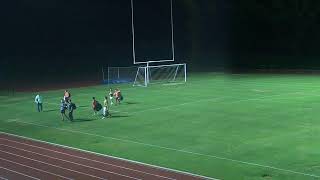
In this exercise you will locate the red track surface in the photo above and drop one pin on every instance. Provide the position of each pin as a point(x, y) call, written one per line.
point(22, 158)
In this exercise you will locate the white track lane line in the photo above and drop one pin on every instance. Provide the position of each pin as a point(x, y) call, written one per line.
point(111, 172)
point(80, 157)
point(176, 150)
point(19, 173)
point(52, 165)
point(47, 172)
point(3, 178)
point(189, 152)
point(109, 156)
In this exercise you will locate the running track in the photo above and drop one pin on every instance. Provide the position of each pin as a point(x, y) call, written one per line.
point(22, 158)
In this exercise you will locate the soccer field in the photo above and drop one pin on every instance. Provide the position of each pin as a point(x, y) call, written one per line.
point(216, 125)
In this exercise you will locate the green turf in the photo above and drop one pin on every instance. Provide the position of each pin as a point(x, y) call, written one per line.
point(215, 125)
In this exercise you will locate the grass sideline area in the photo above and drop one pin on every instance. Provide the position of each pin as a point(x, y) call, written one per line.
point(222, 126)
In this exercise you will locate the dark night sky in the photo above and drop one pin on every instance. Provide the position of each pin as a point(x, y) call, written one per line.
point(51, 37)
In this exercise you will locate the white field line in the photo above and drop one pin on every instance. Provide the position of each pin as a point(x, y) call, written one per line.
point(86, 107)
point(52, 165)
point(97, 87)
point(175, 105)
point(134, 113)
point(159, 90)
point(213, 100)
point(10, 120)
point(199, 101)
point(226, 78)
point(100, 88)
point(220, 84)
point(80, 157)
point(176, 150)
point(172, 84)
point(3, 178)
point(47, 172)
point(260, 90)
point(104, 155)
point(172, 148)
point(111, 172)
point(18, 173)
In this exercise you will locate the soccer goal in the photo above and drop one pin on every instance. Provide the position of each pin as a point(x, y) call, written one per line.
point(160, 74)
point(116, 75)
point(147, 74)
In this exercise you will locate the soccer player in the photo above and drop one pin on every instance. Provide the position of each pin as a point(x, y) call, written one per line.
point(38, 100)
point(96, 106)
point(63, 109)
point(106, 108)
point(111, 96)
point(66, 96)
point(71, 107)
point(117, 94)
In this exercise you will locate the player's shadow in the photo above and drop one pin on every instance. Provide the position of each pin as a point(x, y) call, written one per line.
point(83, 120)
point(83, 106)
point(50, 110)
point(130, 102)
point(118, 116)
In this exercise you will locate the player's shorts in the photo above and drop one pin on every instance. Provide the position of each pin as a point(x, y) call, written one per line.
point(105, 111)
point(62, 111)
point(98, 107)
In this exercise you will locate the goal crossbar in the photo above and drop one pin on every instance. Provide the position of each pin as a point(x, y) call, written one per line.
point(168, 73)
point(167, 65)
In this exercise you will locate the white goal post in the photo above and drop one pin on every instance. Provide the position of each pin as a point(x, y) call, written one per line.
point(133, 34)
point(160, 74)
point(146, 75)
point(143, 73)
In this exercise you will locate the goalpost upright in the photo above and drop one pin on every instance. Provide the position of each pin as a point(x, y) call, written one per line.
point(144, 71)
point(134, 40)
point(147, 70)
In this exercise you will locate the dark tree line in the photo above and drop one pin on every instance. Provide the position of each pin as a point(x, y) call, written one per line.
point(278, 26)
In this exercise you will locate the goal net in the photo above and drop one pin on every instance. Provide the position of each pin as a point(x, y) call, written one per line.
point(141, 77)
point(160, 74)
point(145, 75)
point(116, 75)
